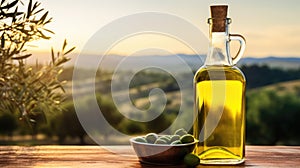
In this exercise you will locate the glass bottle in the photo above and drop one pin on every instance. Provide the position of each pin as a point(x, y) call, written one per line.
point(219, 88)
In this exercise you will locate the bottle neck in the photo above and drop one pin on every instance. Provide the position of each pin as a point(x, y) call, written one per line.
point(218, 53)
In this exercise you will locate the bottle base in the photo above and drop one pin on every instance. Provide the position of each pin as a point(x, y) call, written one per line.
point(222, 161)
point(221, 156)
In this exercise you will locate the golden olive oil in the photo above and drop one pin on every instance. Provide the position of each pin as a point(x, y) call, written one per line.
point(220, 115)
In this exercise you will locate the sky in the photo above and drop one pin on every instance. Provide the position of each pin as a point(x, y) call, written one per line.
point(271, 28)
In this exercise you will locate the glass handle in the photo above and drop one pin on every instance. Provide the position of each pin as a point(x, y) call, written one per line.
point(242, 48)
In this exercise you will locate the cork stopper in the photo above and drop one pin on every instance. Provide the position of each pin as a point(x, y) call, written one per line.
point(218, 15)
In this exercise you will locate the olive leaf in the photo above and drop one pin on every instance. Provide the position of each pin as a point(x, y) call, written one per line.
point(10, 5)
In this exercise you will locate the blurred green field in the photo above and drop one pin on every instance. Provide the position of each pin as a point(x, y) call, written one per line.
point(272, 110)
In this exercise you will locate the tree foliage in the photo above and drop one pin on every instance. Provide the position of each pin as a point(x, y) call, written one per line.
point(258, 76)
point(66, 124)
point(8, 123)
point(272, 118)
point(28, 90)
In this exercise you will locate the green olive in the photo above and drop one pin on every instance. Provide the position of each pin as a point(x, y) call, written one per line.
point(160, 141)
point(151, 137)
point(176, 142)
point(175, 138)
point(188, 138)
point(165, 138)
point(180, 132)
point(191, 160)
point(169, 136)
point(140, 139)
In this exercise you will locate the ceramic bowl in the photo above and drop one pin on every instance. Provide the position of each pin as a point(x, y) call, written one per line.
point(161, 154)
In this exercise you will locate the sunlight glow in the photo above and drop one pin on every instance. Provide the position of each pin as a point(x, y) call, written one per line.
point(148, 42)
point(268, 29)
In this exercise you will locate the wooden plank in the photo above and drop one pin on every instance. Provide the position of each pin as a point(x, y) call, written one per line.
point(124, 157)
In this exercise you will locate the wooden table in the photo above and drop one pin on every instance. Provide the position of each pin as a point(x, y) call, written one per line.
point(100, 157)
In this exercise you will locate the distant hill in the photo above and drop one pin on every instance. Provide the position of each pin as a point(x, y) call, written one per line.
point(273, 62)
point(176, 62)
point(179, 62)
point(281, 87)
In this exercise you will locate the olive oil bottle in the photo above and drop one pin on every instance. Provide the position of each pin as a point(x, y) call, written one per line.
point(220, 97)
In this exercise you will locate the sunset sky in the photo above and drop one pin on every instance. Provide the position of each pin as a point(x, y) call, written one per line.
point(270, 27)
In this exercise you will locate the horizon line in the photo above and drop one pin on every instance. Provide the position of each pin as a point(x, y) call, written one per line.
point(149, 55)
